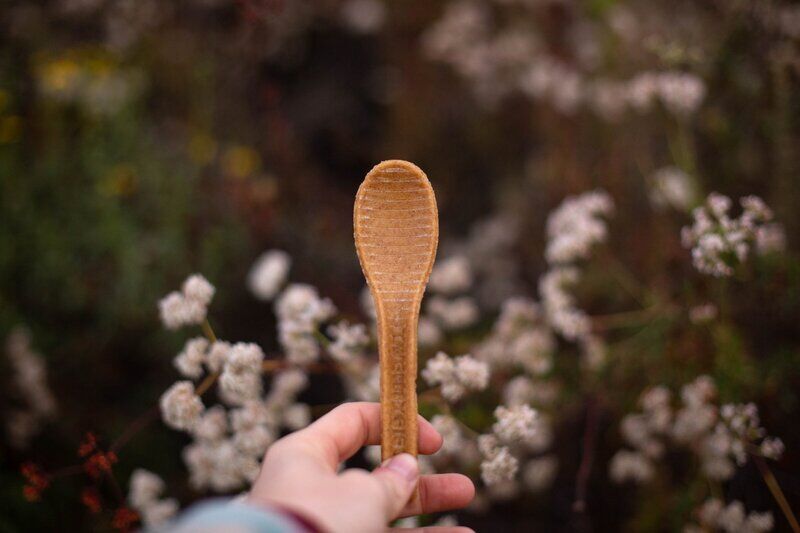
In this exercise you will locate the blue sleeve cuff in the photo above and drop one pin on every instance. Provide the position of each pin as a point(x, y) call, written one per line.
point(223, 515)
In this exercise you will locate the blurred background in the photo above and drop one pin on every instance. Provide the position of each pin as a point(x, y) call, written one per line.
point(142, 141)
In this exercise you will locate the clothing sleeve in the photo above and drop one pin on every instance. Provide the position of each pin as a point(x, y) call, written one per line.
point(232, 516)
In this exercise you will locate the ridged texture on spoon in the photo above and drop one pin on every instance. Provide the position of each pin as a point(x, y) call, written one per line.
point(396, 229)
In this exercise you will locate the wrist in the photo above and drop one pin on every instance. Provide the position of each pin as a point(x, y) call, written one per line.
point(304, 522)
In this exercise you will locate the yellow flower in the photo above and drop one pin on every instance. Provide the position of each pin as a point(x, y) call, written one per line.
point(240, 162)
point(60, 76)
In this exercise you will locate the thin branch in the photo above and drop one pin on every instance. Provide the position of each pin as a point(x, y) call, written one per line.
point(141, 422)
point(777, 493)
point(208, 331)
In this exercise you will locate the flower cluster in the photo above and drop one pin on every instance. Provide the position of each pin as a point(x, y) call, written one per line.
point(576, 225)
point(300, 311)
point(180, 406)
point(719, 242)
point(30, 382)
point(518, 432)
point(187, 306)
point(456, 376)
point(349, 341)
point(719, 437)
point(230, 442)
point(732, 518)
point(144, 496)
point(572, 229)
point(499, 61)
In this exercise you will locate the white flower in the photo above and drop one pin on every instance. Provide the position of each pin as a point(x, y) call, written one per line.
point(158, 512)
point(30, 382)
point(680, 92)
point(220, 466)
point(633, 466)
point(515, 424)
point(500, 466)
point(300, 310)
point(453, 314)
point(733, 518)
point(217, 355)
point(180, 406)
point(719, 242)
point(772, 448)
point(456, 376)
point(254, 441)
point(439, 369)
point(173, 310)
point(190, 361)
point(533, 350)
point(268, 274)
point(636, 430)
point(451, 276)
point(300, 302)
point(692, 422)
point(241, 375)
point(145, 488)
point(143, 496)
point(188, 306)
point(212, 426)
point(671, 187)
point(244, 357)
point(559, 305)
point(197, 288)
point(699, 391)
point(576, 225)
point(253, 413)
point(300, 345)
point(473, 374)
point(237, 389)
point(348, 341)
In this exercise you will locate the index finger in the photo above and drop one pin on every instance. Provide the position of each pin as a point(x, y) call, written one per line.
point(338, 435)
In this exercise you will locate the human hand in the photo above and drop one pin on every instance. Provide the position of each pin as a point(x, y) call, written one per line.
point(299, 472)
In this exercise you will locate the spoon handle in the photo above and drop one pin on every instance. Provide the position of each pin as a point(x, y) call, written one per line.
point(397, 323)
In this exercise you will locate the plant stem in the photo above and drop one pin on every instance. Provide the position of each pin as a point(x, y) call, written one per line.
point(141, 422)
point(777, 493)
point(208, 331)
point(585, 469)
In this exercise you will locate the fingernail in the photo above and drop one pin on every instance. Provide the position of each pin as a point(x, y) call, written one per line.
point(404, 464)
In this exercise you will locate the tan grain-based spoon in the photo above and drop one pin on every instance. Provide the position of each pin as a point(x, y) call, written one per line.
point(396, 229)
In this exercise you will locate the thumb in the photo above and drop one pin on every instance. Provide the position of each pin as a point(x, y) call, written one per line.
point(398, 478)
